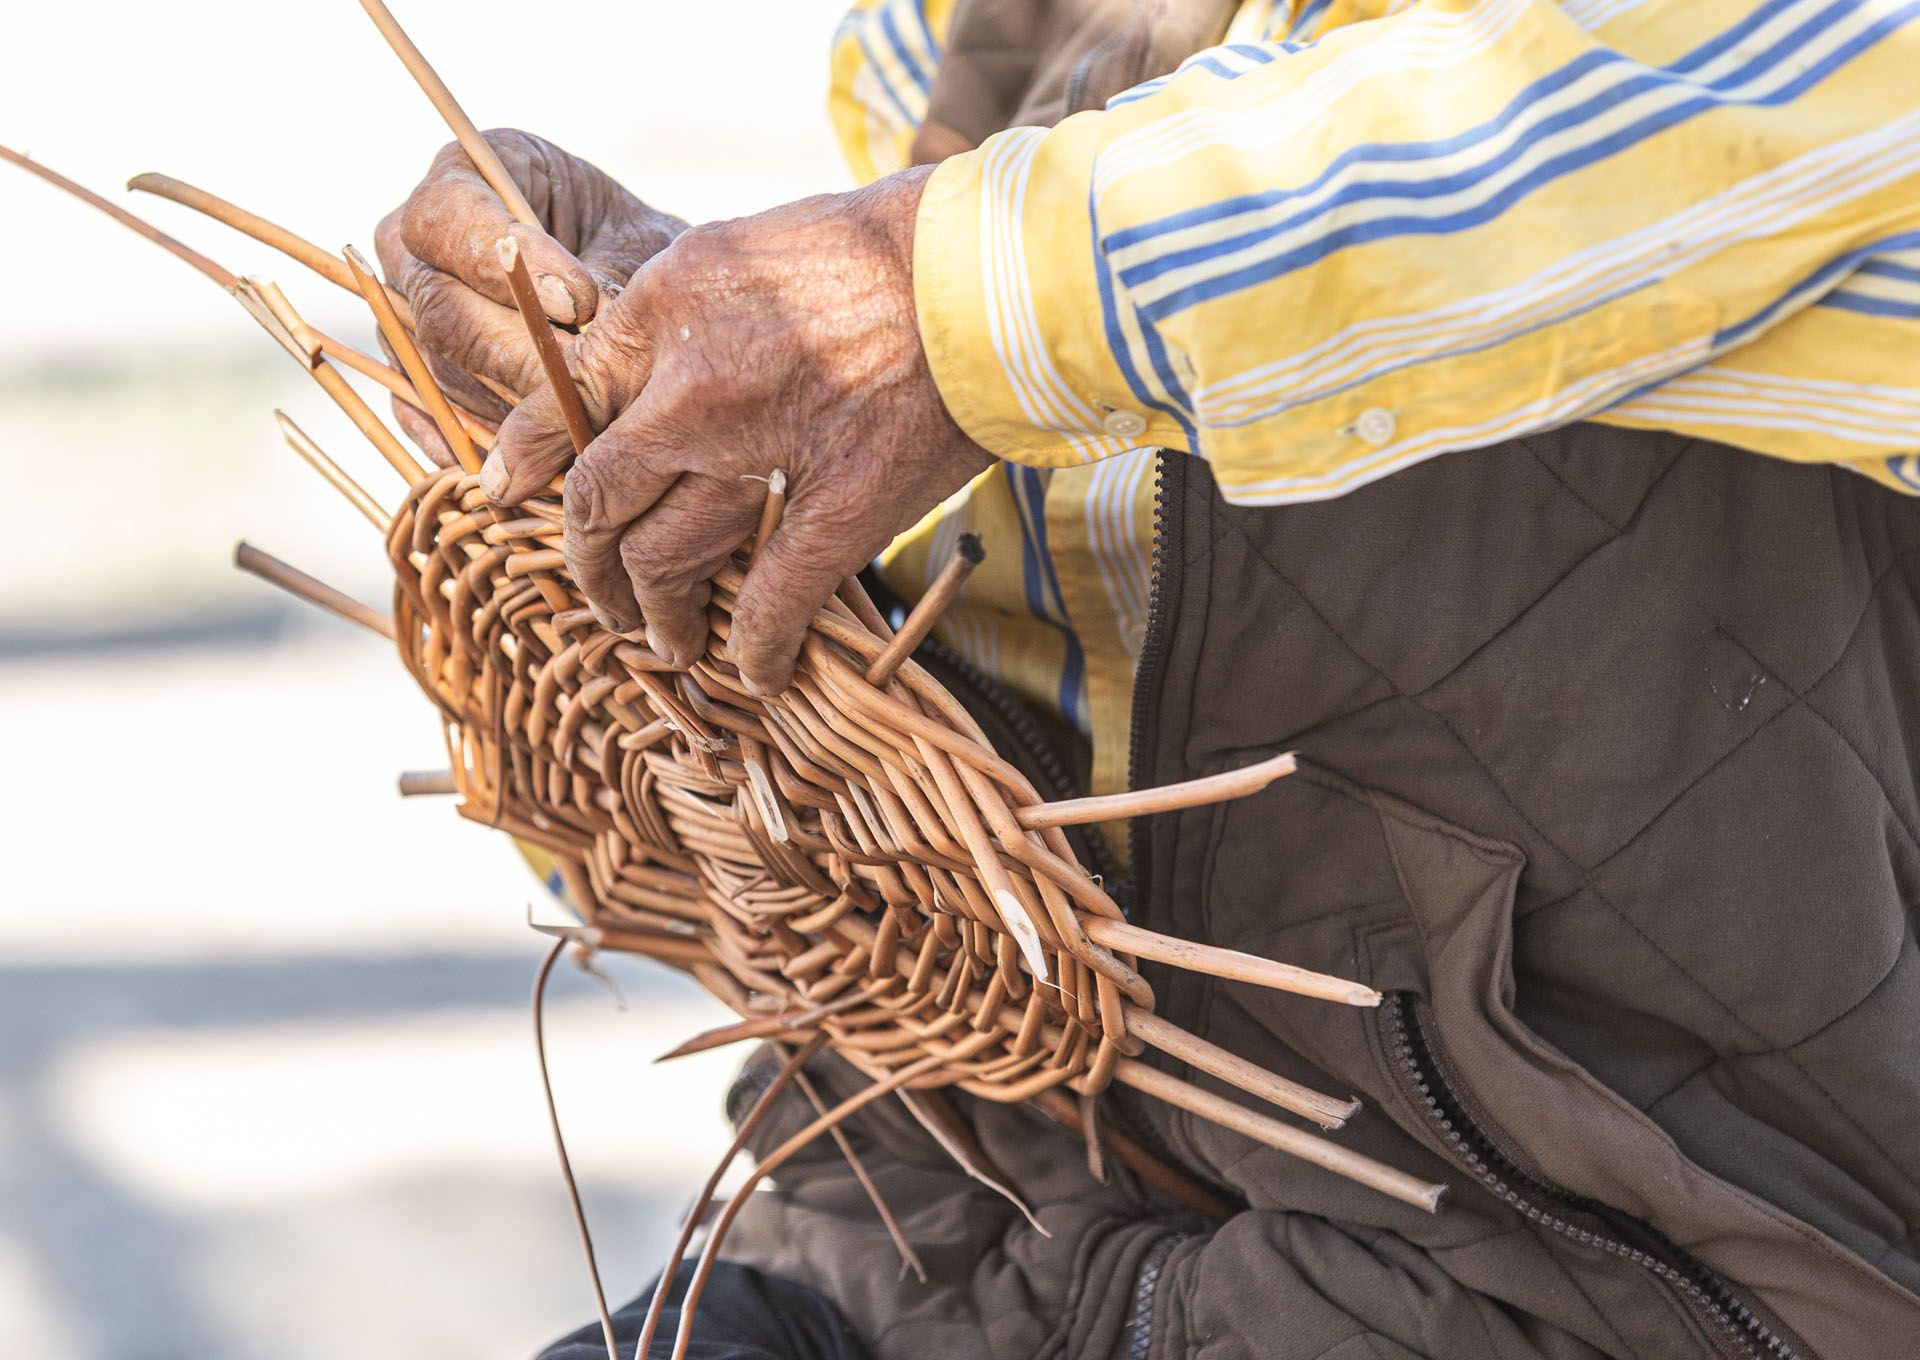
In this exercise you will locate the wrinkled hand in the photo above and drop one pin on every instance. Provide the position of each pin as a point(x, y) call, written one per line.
point(438, 249)
point(785, 341)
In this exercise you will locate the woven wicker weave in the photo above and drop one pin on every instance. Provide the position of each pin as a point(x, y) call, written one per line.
point(844, 856)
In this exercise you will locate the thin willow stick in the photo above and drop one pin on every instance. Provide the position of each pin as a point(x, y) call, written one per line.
point(771, 509)
point(779, 1157)
point(426, 783)
point(559, 376)
point(477, 149)
point(336, 476)
point(270, 308)
point(219, 275)
point(310, 338)
point(940, 1120)
point(410, 359)
point(786, 1023)
point(314, 591)
point(909, 1258)
point(1213, 788)
point(369, 424)
point(1285, 1138)
point(367, 366)
point(1063, 1109)
point(756, 1113)
point(967, 555)
point(1124, 938)
point(1329, 1112)
point(260, 229)
point(560, 1144)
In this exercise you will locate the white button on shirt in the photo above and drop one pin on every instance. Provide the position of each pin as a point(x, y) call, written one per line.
point(1376, 425)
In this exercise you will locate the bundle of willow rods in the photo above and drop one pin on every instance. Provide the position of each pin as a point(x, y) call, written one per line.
point(847, 865)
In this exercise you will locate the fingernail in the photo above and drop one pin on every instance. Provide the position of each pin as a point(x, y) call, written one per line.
point(660, 649)
point(604, 619)
point(754, 688)
point(555, 298)
point(494, 477)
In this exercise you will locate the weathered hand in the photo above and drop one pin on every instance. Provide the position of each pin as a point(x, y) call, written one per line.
point(785, 340)
point(438, 249)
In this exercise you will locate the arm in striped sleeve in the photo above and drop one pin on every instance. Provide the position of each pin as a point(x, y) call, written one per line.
point(885, 55)
point(1474, 218)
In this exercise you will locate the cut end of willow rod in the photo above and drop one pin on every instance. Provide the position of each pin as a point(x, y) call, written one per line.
point(1125, 938)
point(314, 591)
point(1213, 788)
point(426, 783)
point(968, 553)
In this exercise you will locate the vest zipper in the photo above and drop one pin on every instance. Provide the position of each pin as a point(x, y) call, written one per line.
point(1708, 1295)
point(1042, 761)
point(1136, 1342)
point(1169, 479)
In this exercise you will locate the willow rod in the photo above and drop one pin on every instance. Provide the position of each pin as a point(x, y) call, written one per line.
point(1213, 788)
point(477, 148)
point(411, 360)
point(267, 305)
point(1285, 1138)
point(560, 1144)
point(967, 555)
point(311, 589)
point(225, 278)
point(1125, 938)
point(552, 361)
point(260, 229)
point(316, 457)
point(1329, 1112)
point(426, 783)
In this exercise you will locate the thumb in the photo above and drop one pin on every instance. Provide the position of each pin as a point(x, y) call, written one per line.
point(610, 363)
point(454, 213)
point(567, 290)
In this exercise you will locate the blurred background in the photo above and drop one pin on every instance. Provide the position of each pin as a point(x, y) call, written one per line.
point(266, 1083)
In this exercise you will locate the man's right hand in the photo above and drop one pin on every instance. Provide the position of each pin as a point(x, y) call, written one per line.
point(438, 249)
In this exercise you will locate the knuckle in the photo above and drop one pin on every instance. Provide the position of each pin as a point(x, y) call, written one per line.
point(386, 242)
point(440, 322)
point(759, 622)
point(649, 559)
point(584, 498)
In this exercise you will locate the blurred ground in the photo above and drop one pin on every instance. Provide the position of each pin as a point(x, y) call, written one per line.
point(266, 1086)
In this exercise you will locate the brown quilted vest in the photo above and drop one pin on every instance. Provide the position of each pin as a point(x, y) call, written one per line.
point(1612, 745)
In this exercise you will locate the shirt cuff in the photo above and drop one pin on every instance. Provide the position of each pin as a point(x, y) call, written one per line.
point(1017, 321)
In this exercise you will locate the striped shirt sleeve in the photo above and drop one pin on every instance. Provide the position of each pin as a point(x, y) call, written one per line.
point(1315, 260)
point(885, 56)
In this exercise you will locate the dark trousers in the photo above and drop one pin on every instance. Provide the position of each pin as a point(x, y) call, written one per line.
point(743, 1315)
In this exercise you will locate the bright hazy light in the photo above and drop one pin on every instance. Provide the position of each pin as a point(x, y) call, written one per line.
point(299, 112)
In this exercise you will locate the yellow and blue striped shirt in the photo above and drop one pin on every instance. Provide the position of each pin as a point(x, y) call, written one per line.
point(1363, 233)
